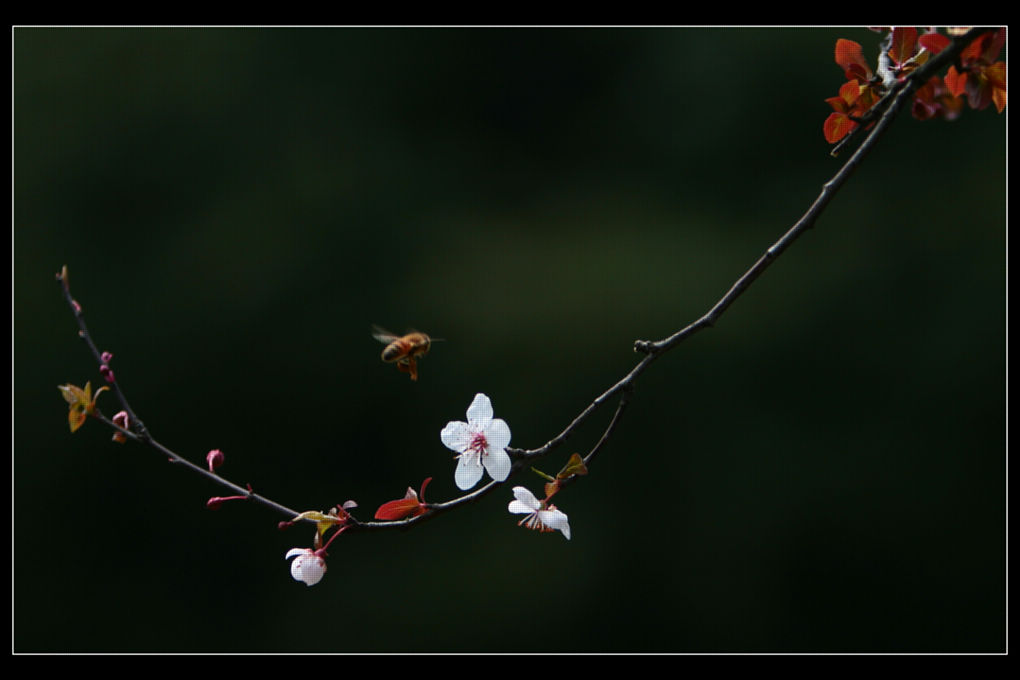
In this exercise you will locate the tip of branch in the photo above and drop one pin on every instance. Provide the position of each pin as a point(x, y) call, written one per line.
point(62, 276)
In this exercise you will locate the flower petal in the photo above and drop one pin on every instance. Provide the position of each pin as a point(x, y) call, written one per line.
point(526, 499)
point(497, 433)
point(456, 435)
point(469, 471)
point(554, 519)
point(295, 568)
point(497, 464)
point(308, 568)
point(480, 410)
point(519, 508)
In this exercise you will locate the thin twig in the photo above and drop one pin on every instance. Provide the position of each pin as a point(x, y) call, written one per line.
point(137, 431)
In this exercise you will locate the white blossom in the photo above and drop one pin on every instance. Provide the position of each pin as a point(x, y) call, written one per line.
point(308, 567)
point(480, 443)
point(538, 517)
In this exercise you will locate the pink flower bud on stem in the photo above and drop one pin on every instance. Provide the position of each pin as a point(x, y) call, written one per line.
point(120, 420)
point(215, 459)
point(215, 502)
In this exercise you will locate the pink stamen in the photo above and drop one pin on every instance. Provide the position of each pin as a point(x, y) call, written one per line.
point(533, 522)
point(479, 445)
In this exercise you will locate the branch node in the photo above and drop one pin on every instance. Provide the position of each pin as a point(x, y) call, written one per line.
point(141, 432)
point(644, 346)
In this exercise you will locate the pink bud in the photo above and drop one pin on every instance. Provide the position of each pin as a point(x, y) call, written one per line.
point(120, 420)
point(215, 459)
point(77, 307)
point(107, 373)
point(215, 502)
point(284, 525)
point(106, 356)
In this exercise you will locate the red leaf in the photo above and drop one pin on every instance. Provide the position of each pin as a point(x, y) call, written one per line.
point(399, 509)
point(836, 127)
point(984, 49)
point(979, 93)
point(904, 44)
point(934, 42)
point(972, 52)
point(993, 44)
point(849, 54)
point(999, 97)
point(996, 74)
point(850, 92)
point(955, 82)
point(838, 104)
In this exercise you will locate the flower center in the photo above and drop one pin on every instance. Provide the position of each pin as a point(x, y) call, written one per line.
point(479, 445)
point(533, 521)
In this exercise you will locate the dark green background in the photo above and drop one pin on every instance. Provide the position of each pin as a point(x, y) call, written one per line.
point(822, 471)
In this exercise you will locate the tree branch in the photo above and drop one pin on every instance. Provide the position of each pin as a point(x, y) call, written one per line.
point(884, 112)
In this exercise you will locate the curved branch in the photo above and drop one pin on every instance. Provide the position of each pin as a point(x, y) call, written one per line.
point(884, 111)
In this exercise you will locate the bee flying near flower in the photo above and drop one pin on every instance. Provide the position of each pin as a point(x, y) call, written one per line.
point(404, 350)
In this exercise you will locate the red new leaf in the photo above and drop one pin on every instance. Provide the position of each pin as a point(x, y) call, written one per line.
point(934, 42)
point(904, 44)
point(955, 82)
point(850, 57)
point(993, 44)
point(399, 509)
point(408, 506)
point(996, 74)
point(837, 126)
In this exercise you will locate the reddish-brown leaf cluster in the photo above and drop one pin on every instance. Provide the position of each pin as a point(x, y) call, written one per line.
point(980, 81)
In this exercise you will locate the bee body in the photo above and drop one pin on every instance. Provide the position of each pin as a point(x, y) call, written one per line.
point(403, 350)
point(410, 345)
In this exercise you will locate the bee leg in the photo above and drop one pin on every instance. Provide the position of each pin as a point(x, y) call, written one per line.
point(412, 368)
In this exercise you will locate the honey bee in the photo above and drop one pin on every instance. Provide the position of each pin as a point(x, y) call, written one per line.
point(404, 350)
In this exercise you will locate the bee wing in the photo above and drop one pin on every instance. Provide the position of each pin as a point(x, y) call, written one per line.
point(383, 335)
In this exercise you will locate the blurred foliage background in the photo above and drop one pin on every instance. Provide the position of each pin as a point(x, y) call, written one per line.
point(822, 471)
